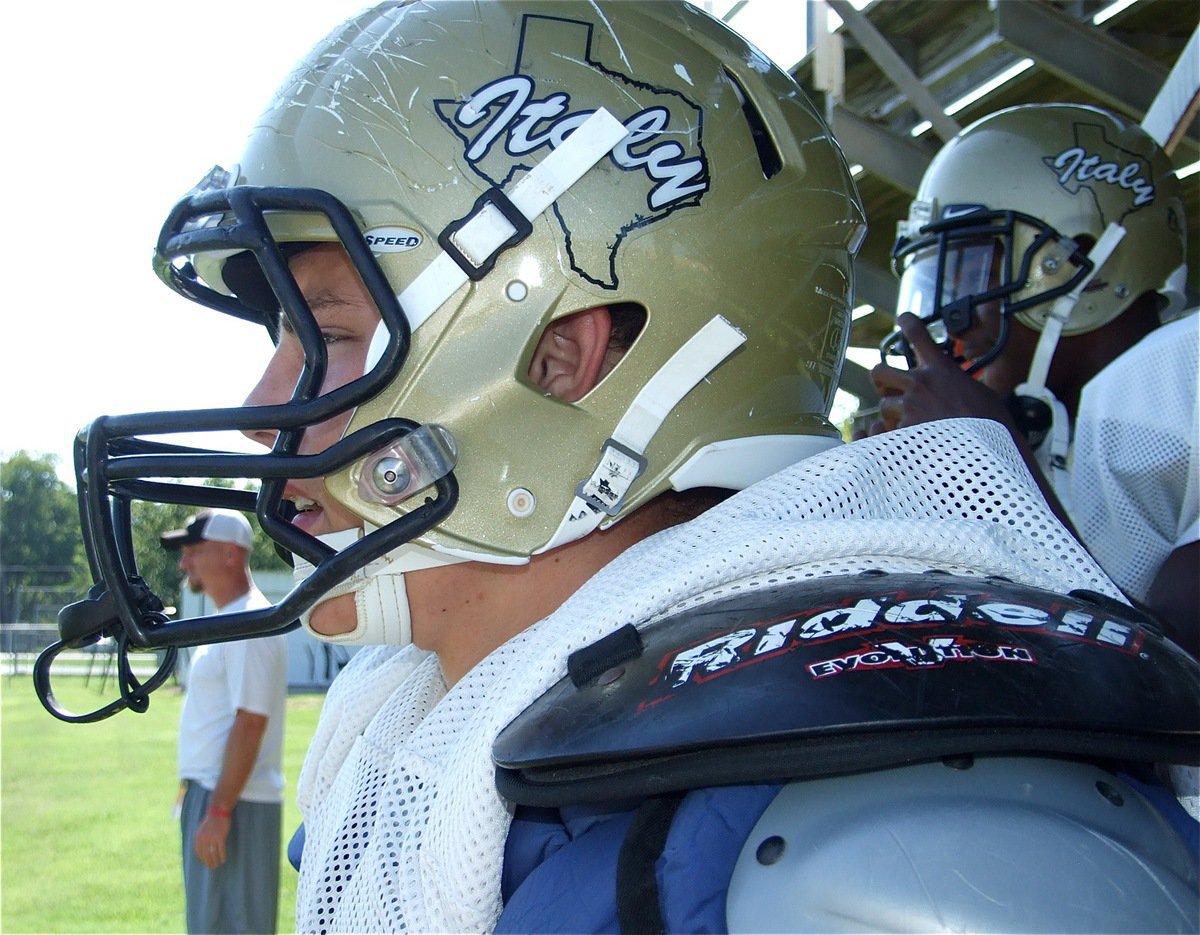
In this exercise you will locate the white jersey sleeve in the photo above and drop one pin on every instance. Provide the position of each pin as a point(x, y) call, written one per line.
point(1134, 470)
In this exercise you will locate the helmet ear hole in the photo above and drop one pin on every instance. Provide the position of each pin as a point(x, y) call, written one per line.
point(571, 348)
point(570, 354)
point(1085, 242)
point(628, 320)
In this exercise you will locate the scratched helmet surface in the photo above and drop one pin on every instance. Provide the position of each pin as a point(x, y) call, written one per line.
point(1070, 170)
point(726, 200)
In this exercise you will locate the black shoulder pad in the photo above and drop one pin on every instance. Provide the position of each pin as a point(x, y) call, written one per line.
point(851, 673)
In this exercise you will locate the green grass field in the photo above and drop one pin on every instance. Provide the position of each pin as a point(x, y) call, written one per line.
point(87, 840)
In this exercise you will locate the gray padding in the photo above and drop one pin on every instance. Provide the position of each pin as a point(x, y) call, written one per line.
point(1006, 845)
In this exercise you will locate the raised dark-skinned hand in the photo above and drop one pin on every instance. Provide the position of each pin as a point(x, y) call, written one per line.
point(936, 388)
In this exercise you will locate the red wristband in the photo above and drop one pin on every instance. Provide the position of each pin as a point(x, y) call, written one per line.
point(219, 812)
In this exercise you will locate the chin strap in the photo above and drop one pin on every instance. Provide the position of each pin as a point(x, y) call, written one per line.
point(1039, 413)
point(381, 608)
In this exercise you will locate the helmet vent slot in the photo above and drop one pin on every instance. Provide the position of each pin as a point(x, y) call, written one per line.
point(769, 157)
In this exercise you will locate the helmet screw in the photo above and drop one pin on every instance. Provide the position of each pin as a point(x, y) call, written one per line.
point(770, 850)
point(1121, 291)
point(1050, 264)
point(391, 475)
point(521, 502)
point(1112, 795)
point(516, 291)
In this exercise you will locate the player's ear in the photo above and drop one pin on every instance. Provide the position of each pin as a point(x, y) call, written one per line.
point(569, 357)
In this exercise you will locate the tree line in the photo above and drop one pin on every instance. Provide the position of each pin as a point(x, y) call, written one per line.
point(42, 559)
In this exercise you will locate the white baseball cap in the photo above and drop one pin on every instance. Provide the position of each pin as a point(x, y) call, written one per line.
point(211, 526)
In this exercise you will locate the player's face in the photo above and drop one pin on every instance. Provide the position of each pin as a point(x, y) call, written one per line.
point(347, 318)
point(978, 267)
point(983, 333)
point(201, 563)
point(1011, 367)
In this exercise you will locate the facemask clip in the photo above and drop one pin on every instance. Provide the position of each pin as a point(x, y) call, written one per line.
point(419, 459)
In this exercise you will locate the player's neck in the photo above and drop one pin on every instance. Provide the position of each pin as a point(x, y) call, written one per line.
point(464, 612)
point(1080, 357)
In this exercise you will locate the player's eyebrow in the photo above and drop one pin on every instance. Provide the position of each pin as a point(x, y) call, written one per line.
point(323, 301)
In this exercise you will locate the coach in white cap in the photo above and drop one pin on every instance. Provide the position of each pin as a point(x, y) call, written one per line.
point(230, 741)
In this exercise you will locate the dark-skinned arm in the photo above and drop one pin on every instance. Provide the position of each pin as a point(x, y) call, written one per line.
point(1174, 597)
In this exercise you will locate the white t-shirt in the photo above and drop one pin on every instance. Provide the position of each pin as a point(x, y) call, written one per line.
point(246, 674)
point(1135, 473)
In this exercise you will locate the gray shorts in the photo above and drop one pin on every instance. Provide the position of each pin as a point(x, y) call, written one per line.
point(242, 895)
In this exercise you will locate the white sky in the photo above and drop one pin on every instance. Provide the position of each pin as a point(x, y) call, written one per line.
point(113, 111)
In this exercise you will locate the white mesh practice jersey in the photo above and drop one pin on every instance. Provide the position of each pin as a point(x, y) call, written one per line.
point(405, 829)
point(1135, 467)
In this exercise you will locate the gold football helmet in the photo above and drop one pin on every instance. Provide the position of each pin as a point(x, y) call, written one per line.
point(490, 168)
point(1009, 208)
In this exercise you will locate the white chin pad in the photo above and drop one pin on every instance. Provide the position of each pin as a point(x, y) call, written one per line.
point(380, 600)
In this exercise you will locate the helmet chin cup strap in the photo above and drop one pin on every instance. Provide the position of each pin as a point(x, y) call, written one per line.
point(1051, 451)
point(381, 609)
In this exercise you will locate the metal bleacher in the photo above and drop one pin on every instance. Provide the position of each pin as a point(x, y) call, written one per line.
point(893, 66)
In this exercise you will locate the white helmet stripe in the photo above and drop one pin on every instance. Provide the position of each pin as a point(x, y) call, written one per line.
point(482, 234)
